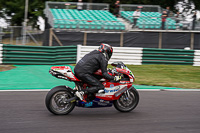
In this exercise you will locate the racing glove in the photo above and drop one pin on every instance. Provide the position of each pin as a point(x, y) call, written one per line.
point(117, 78)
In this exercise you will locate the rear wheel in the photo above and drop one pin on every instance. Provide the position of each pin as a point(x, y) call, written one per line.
point(56, 101)
point(128, 100)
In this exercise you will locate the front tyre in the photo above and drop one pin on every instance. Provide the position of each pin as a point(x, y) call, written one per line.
point(56, 101)
point(128, 100)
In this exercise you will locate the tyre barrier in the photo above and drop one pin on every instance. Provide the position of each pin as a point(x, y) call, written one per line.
point(54, 55)
point(37, 55)
point(168, 56)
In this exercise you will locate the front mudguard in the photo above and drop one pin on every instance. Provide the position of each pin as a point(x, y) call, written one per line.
point(120, 92)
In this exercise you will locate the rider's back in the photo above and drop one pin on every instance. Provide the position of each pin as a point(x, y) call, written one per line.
point(91, 62)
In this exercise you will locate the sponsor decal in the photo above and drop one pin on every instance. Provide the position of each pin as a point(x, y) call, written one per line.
point(130, 73)
point(124, 82)
point(73, 101)
point(103, 101)
point(107, 96)
point(112, 85)
point(102, 104)
point(114, 89)
point(88, 104)
point(62, 77)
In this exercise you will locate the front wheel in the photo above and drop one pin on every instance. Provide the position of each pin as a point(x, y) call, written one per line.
point(128, 100)
point(56, 101)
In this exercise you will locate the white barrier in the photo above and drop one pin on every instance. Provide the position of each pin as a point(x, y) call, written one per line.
point(196, 60)
point(1, 53)
point(128, 55)
point(1, 47)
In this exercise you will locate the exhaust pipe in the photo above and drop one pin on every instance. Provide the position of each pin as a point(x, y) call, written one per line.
point(71, 100)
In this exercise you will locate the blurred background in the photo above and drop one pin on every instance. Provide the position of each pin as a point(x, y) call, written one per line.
point(27, 22)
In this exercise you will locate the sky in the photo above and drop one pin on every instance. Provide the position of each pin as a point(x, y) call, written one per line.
point(3, 23)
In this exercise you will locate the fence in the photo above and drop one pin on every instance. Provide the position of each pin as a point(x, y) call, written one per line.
point(43, 55)
point(73, 5)
point(37, 55)
point(145, 8)
point(139, 56)
point(14, 35)
point(147, 39)
point(196, 58)
point(127, 55)
point(168, 56)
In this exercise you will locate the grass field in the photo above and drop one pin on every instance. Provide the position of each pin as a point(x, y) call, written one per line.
point(159, 75)
point(180, 76)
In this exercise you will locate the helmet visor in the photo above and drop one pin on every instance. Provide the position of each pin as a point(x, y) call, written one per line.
point(109, 55)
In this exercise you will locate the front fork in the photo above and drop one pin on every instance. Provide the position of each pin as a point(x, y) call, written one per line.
point(126, 95)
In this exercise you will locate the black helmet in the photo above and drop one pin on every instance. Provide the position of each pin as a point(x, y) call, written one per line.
point(107, 49)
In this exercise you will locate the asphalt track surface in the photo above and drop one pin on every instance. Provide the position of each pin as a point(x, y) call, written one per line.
point(157, 112)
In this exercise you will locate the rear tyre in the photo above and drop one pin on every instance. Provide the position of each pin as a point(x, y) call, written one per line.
point(56, 101)
point(128, 101)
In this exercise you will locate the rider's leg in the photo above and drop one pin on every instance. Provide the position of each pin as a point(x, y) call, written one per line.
point(91, 80)
point(96, 85)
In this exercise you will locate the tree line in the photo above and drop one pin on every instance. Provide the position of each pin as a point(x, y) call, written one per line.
point(15, 8)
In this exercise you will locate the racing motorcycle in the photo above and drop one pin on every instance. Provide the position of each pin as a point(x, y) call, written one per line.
point(61, 100)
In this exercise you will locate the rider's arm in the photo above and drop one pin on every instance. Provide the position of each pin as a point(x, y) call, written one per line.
point(104, 64)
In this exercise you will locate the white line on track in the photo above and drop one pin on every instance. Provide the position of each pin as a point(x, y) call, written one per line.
point(137, 89)
point(168, 89)
point(26, 90)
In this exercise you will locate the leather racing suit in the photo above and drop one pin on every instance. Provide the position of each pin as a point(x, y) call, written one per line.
point(90, 63)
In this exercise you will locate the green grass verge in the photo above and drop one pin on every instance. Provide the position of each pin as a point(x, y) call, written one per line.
point(181, 76)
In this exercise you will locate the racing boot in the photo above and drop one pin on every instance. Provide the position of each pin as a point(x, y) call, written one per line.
point(80, 95)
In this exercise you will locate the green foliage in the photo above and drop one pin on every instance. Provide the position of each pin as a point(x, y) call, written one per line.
point(15, 8)
point(197, 4)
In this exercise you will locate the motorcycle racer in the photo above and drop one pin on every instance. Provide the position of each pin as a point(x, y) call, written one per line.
point(90, 63)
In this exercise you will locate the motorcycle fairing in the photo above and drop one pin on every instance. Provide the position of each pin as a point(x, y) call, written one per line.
point(66, 71)
point(126, 72)
point(95, 103)
point(112, 91)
